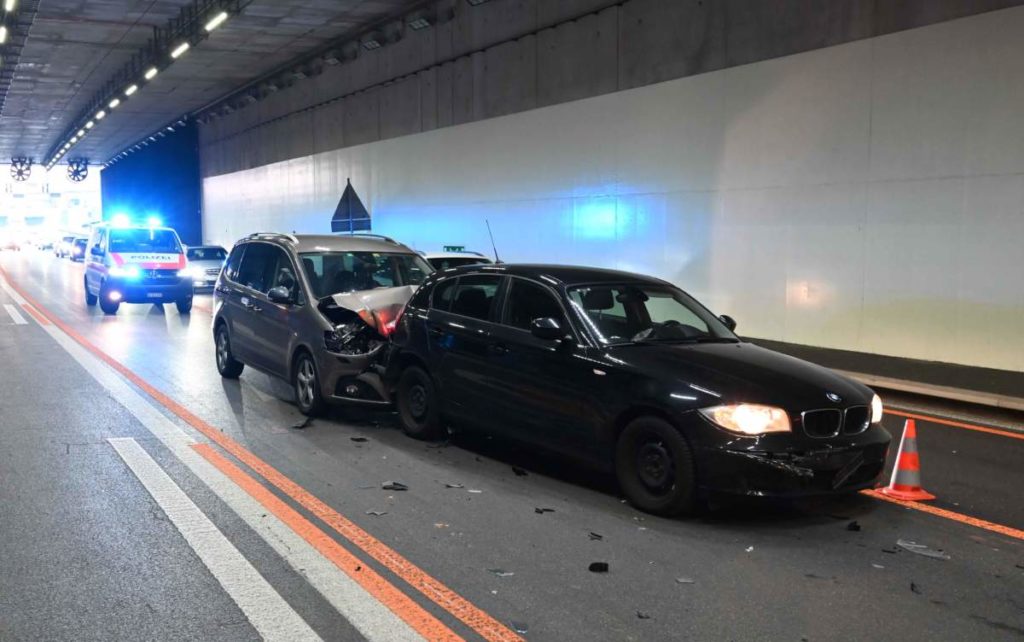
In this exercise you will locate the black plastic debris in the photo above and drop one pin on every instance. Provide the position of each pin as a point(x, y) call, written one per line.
point(890, 551)
point(305, 423)
point(519, 471)
point(915, 588)
point(541, 511)
point(358, 568)
point(643, 616)
point(853, 526)
point(501, 572)
point(1020, 566)
point(520, 627)
point(598, 567)
point(596, 537)
point(359, 440)
point(393, 485)
point(453, 485)
point(376, 513)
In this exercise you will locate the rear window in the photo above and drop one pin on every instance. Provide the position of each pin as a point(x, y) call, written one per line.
point(143, 240)
point(206, 254)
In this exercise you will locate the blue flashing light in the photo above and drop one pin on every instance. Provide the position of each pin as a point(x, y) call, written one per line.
point(120, 220)
point(154, 221)
point(129, 272)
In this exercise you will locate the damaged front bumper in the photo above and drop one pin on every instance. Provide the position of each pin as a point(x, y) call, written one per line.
point(801, 468)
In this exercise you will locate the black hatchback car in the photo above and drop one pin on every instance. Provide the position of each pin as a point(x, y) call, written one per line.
point(632, 374)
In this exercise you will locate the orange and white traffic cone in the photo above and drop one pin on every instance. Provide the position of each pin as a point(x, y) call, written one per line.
point(906, 475)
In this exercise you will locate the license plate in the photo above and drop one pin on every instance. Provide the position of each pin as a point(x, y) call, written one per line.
point(154, 295)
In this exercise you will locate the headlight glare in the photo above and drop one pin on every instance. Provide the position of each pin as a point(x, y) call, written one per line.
point(748, 418)
point(125, 272)
point(876, 409)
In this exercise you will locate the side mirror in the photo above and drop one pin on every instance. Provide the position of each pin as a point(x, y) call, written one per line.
point(729, 322)
point(547, 329)
point(96, 250)
point(281, 295)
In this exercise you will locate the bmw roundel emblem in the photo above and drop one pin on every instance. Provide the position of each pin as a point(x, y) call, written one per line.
point(833, 397)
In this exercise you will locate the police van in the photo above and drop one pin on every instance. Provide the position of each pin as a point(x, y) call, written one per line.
point(136, 264)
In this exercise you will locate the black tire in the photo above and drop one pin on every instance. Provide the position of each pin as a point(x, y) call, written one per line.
point(418, 405)
point(90, 298)
point(108, 306)
point(184, 305)
point(306, 382)
point(227, 365)
point(654, 466)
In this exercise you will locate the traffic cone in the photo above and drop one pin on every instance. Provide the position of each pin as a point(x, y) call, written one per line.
point(906, 475)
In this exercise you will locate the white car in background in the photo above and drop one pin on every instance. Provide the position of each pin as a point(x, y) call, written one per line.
point(204, 264)
point(446, 260)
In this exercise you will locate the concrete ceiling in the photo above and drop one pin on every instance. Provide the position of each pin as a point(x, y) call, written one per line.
point(74, 47)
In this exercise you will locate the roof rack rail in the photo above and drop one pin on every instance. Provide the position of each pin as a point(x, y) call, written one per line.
point(373, 236)
point(273, 235)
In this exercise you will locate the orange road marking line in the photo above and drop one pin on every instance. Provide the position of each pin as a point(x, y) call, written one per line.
point(948, 514)
point(398, 602)
point(35, 313)
point(957, 424)
point(477, 619)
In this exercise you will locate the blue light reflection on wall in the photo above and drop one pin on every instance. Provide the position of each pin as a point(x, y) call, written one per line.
point(595, 218)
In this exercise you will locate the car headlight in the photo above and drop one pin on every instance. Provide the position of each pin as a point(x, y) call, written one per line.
point(748, 418)
point(125, 272)
point(876, 409)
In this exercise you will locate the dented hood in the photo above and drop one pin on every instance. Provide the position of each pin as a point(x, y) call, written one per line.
point(377, 308)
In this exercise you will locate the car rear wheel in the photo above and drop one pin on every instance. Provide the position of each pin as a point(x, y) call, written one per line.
point(227, 365)
point(108, 306)
point(184, 305)
point(307, 386)
point(90, 298)
point(418, 405)
point(654, 466)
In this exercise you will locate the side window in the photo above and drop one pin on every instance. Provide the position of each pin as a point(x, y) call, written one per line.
point(257, 266)
point(234, 259)
point(443, 292)
point(474, 295)
point(528, 301)
point(421, 299)
point(282, 274)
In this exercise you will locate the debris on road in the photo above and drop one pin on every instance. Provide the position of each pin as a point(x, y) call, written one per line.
point(520, 627)
point(596, 537)
point(750, 549)
point(453, 485)
point(877, 566)
point(359, 440)
point(915, 588)
point(305, 423)
point(643, 616)
point(598, 567)
point(541, 511)
point(685, 580)
point(853, 526)
point(890, 551)
point(393, 485)
point(376, 513)
point(921, 549)
point(500, 572)
point(519, 471)
point(475, 491)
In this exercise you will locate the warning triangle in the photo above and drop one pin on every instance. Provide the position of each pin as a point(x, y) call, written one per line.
point(350, 215)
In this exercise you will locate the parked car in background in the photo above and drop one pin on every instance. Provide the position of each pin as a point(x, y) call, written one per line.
point(78, 247)
point(204, 264)
point(135, 264)
point(62, 248)
point(630, 373)
point(315, 311)
point(446, 260)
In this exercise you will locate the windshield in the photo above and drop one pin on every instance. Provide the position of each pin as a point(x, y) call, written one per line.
point(335, 272)
point(206, 254)
point(144, 240)
point(641, 313)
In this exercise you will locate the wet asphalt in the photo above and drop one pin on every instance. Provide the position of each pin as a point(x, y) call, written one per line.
point(86, 554)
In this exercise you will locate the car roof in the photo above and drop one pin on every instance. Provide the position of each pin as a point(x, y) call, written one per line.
point(204, 247)
point(566, 275)
point(332, 242)
point(455, 255)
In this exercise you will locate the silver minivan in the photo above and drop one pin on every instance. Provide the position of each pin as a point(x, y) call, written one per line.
point(315, 310)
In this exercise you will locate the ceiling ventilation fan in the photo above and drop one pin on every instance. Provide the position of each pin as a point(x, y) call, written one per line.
point(21, 169)
point(78, 169)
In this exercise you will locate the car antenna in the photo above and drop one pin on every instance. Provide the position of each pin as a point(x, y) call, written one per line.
point(493, 246)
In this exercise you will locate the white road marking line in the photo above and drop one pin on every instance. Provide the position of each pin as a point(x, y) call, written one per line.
point(268, 612)
point(371, 618)
point(13, 311)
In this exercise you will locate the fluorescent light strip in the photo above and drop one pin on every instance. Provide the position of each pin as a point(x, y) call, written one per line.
point(179, 50)
point(9, 5)
point(217, 21)
point(81, 132)
point(131, 90)
point(3, 34)
point(114, 103)
point(90, 125)
point(100, 115)
point(153, 71)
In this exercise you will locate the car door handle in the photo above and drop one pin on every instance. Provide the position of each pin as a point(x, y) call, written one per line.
point(500, 348)
point(435, 331)
point(255, 308)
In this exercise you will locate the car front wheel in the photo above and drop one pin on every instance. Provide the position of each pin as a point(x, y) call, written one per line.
point(307, 386)
point(184, 305)
point(654, 466)
point(90, 298)
point(417, 402)
point(227, 365)
point(106, 304)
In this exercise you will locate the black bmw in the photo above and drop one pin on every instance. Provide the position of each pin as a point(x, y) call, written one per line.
point(634, 375)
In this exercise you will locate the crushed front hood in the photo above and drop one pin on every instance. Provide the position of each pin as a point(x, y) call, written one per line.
point(377, 308)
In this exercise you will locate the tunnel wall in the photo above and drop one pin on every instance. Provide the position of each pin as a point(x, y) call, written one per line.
point(867, 196)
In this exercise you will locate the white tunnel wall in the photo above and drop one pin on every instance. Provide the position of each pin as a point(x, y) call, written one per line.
point(866, 197)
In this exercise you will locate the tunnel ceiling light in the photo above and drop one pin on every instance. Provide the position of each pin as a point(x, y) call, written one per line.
point(90, 125)
point(81, 132)
point(371, 43)
point(131, 90)
point(151, 73)
point(114, 103)
point(100, 115)
point(9, 5)
point(217, 21)
point(3, 34)
point(179, 50)
point(74, 139)
point(419, 23)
